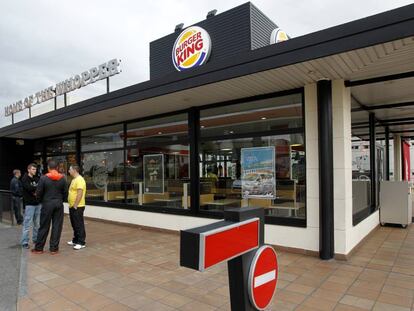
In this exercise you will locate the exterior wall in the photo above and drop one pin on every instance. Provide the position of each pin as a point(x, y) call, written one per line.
point(17, 156)
point(347, 236)
point(360, 231)
point(293, 237)
point(239, 30)
point(229, 33)
point(261, 28)
point(155, 220)
point(342, 153)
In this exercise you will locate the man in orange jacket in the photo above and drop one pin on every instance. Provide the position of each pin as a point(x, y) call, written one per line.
point(51, 192)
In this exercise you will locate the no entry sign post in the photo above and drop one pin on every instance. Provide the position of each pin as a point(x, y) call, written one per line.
point(239, 240)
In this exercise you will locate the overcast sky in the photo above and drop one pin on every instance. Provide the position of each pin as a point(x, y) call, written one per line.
point(44, 42)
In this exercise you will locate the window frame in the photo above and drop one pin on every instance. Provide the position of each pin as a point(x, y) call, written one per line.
point(194, 140)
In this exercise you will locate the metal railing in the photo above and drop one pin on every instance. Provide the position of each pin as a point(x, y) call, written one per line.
point(6, 209)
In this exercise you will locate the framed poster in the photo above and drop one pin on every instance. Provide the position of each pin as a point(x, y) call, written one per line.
point(258, 174)
point(154, 173)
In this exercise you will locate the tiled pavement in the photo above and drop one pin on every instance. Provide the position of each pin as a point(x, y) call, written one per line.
point(127, 268)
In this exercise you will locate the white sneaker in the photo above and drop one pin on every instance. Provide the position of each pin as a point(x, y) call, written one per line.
point(71, 243)
point(78, 246)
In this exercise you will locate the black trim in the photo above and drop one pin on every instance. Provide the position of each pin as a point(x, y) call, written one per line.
point(385, 122)
point(387, 153)
point(361, 215)
point(253, 98)
point(78, 149)
point(372, 161)
point(402, 75)
point(194, 136)
point(254, 134)
point(386, 106)
point(326, 180)
point(286, 221)
point(124, 175)
point(103, 150)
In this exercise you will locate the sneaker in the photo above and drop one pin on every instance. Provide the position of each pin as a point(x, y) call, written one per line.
point(71, 243)
point(26, 246)
point(35, 251)
point(78, 246)
point(54, 252)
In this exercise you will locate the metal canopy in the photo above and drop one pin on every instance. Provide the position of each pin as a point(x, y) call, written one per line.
point(392, 102)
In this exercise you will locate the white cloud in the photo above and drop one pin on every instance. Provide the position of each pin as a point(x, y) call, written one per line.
point(43, 42)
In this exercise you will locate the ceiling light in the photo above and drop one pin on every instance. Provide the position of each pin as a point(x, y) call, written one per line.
point(263, 118)
point(231, 132)
point(202, 126)
point(159, 133)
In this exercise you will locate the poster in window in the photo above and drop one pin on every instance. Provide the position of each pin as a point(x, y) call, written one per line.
point(258, 172)
point(154, 173)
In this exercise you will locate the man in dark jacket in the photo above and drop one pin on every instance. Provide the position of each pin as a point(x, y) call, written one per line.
point(51, 191)
point(32, 206)
point(17, 199)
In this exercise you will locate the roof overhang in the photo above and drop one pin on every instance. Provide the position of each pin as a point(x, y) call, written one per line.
point(376, 46)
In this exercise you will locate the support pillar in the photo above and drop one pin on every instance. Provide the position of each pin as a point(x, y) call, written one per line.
point(387, 153)
point(326, 231)
point(373, 161)
point(397, 158)
point(194, 136)
point(342, 166)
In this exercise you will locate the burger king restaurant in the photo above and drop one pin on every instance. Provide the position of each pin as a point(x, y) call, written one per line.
point(237, 113)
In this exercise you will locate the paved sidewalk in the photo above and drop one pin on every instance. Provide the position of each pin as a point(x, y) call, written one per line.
point(125, 268)
point(10, 253)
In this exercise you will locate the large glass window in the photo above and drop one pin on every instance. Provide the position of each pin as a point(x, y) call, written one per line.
point(61, 144)
point(273, 114)
point(253, 154)
point(103, 173)
point(110, 137)
point(62, 149)
point(63, 162)
point(250, 154)
point(157, 162)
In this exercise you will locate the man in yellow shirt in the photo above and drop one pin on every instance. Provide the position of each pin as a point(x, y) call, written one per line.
point(76, 200)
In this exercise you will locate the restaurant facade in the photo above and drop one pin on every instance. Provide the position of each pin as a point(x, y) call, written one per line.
point(237, 114)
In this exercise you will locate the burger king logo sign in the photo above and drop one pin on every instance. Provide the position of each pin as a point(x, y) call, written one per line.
point(278, 35)
point(191, 49)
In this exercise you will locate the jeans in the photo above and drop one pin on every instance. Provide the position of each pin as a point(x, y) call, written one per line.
point(17, 208)
point(31, 219)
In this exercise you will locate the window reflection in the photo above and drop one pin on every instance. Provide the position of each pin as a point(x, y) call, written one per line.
point(222, 181)
point(103, 173)
point(110, 137)
point(157, 162)
point(276, 178)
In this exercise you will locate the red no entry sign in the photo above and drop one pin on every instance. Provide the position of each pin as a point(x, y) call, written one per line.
point(263, 277)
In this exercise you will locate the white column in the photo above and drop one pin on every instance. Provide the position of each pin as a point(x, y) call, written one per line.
point(342, 153)
point(397, 157)
point(312, 159)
